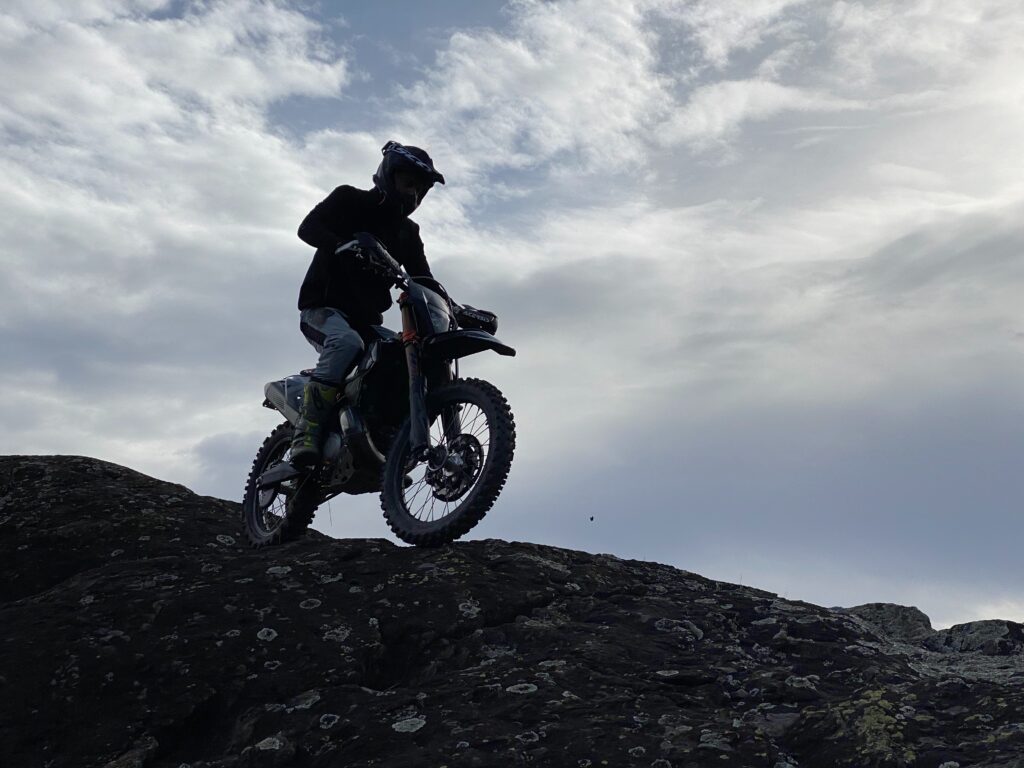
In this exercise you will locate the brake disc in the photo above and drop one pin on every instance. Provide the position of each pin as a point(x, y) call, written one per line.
point(465, 457)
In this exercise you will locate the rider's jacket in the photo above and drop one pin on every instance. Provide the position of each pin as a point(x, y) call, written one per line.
point(337, 281)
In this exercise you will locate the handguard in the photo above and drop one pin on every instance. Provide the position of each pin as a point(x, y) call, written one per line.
point(473, 318)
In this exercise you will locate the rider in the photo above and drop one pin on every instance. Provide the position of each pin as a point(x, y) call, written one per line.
point(341, 291)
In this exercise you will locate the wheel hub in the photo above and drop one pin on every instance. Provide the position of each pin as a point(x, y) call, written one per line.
point(455, 473)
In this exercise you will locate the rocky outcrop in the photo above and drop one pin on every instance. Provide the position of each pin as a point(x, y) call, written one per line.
point(898, 621)
point(993, 638)
point(138, 631)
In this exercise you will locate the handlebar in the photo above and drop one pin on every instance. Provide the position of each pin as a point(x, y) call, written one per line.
point(372, 245)
point(372, 252)
point(368, 249)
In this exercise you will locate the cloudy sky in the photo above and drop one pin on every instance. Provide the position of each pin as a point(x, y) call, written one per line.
point(758, 257)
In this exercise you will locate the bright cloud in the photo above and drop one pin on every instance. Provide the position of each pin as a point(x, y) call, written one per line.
point(575, 79)
point(721, 29)
point(697, 220)
point(716, 112)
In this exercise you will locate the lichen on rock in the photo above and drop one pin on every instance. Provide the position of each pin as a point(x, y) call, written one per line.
point(186, 649)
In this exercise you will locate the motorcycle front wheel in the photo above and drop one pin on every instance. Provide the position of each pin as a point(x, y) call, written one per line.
point(284, 513)
point(472, 441)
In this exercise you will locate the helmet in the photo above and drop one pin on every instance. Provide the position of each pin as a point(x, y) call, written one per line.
point(405, 158)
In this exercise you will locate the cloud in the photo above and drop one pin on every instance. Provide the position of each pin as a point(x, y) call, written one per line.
point(572, 84)
point(236, 52)
point(51, 12)
point(722, 28)
point(813, 343)
point(148, 219)
point(715, 112)
point(899, 44)
point(225, 460)
point(111, 71)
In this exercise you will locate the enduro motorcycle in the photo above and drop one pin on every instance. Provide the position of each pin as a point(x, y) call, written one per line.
point(437, 447)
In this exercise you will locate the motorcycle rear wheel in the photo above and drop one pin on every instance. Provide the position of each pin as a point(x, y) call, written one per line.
point(454, 412)
point(286, 515)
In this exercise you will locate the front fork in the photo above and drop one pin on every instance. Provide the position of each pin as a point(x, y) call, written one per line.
point(419, 422)
point(419, 426)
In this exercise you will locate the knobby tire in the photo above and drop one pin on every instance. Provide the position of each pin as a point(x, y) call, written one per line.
point(488, 485)
point(300, 509)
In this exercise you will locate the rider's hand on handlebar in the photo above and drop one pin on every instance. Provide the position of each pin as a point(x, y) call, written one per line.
point(366, 259)
point(350, 249)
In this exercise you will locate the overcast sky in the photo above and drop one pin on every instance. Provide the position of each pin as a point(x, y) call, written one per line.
point(761, 260)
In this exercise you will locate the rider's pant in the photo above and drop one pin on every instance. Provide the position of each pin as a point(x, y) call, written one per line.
point(339, 345)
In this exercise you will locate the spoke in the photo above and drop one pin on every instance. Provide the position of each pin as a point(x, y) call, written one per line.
point(473, 423)
point(420, 482)
point(422, 485)
point(421, 506)
point(456, 426)
point(466, 425)
point(412, 499)
point(433, 501)
point(274, 513)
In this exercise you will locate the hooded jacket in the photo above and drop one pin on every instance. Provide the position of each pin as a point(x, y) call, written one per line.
point(336, 281)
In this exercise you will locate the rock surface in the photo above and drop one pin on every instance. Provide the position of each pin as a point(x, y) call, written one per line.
point(138, 631)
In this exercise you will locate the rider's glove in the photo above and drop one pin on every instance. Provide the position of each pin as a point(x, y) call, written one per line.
point(350, 249)
point(366, 259)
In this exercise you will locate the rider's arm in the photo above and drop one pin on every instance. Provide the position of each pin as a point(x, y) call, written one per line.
point(414, 259)
point(315, 230)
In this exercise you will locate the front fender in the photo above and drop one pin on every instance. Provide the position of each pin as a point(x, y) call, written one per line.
point(468, 341)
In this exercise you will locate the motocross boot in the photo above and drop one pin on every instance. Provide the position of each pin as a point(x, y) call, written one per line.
point(318, 402)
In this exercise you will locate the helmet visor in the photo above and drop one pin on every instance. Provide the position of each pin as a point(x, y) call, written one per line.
point(413, 159)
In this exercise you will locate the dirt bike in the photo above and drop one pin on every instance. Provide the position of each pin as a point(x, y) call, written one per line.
point(437, 447)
